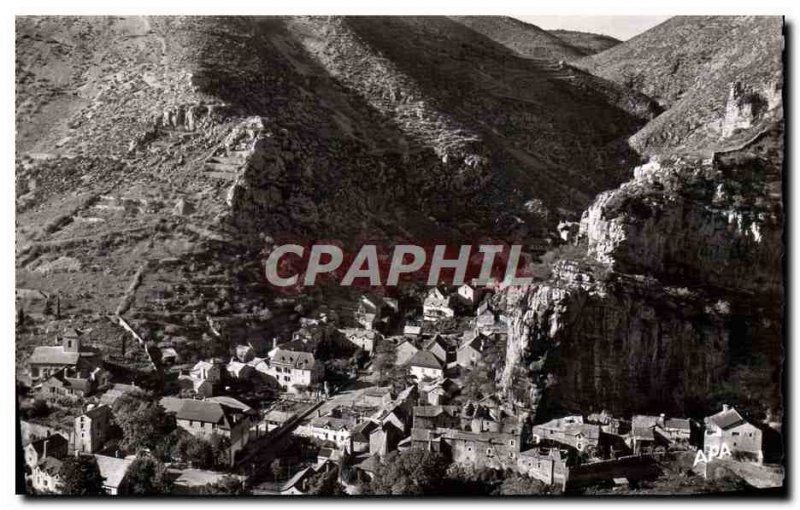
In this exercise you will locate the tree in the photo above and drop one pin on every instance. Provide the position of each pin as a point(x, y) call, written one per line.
point(479, 381)
point(518, 485)
point(325, 483)
point(144, 423)
point(147, 476)
point(197, 451)
point(226, 486)
point(278, 469)
point(413, 472)
point(80, 476)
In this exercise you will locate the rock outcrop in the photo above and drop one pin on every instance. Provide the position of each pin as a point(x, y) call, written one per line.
point(673, 292)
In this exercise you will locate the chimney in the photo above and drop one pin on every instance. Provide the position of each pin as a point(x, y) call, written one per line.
point(274, 342)
point(44, 448)
point(726, 407)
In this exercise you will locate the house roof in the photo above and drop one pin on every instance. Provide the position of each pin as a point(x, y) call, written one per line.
point(112, 469)
point(296, 359)
point(296, 478)
point(82, 384)
point(432, 411)
point(644, 421)
point(424, 359)
point(588, 431)
point(407, 346)
point(212, 410)
point(54, 441)
point(198, 410)
point(302, 474)
point(361, 432)
point(278, 416)
point(726, 418)
point(232, 403)
point(111, 396)
point(378, 391)
point(54, 355)
point(677, 423)
point(643, 433)
point(329, 422)
point(236, 367)
point(484, 308)
point(478, 342)
point(171, 404)
point(370, 464)
point(98, 411)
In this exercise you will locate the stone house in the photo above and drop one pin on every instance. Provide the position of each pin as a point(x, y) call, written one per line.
point(69, 353)
point(240, 371)
point(437, 305)
point(115, 474)
point(412, 328)
point(360, 436)
point(373, 310)
point(210, 371)
point(362, 338)
point(569, 430)
point(224, 416)
point(479, 436)
point(93, 428)
point(294, 369)
point(729, 428)
point(470, 353)
point(424, 365)
point(439, 392)
point(46, 478)
point(330, 428)
point(75, 382)
point(468, 295)
point(377, 396)
point(55, 446)
point(404, 352)
point(435, 417)
point(548, 465)
point(444, 348)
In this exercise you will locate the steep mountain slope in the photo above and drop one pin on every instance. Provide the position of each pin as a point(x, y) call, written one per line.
point(694, 67)
point(587, 42)
point(156, 156)
point(525, 39)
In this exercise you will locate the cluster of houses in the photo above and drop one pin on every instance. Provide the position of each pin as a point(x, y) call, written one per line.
point(429, 411)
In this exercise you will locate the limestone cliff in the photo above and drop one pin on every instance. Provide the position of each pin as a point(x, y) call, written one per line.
point(671, 299)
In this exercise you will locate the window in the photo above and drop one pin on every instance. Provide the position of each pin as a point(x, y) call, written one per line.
point(734, 433)
point(511, 442)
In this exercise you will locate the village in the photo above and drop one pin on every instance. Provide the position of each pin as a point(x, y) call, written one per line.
point(326, 411)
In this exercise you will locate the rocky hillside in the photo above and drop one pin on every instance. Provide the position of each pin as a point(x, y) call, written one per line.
point(156, 155)
point(718, 77)
point(525, 39)
point(587, 42)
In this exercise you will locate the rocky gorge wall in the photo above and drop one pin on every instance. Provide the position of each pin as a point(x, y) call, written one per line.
point(672, 301)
